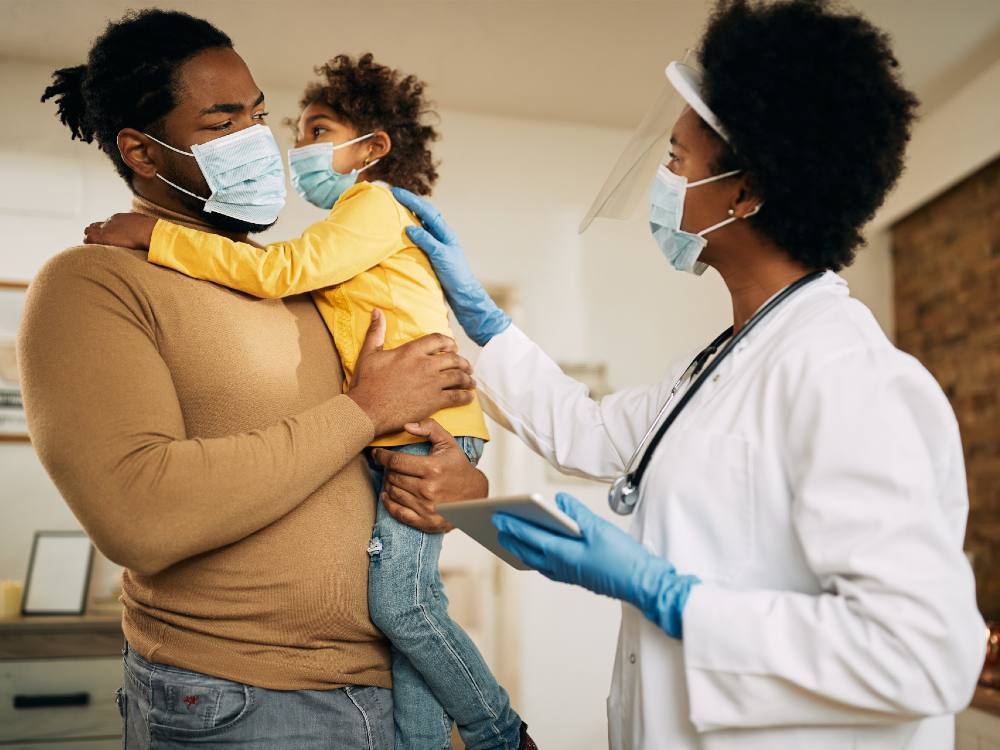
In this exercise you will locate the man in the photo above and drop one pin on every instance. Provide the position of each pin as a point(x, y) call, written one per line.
point(202, 437)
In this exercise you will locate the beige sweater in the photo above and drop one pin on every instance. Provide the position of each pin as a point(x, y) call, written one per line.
point(201, 438)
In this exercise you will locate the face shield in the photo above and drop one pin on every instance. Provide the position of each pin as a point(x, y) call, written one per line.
point(627, 187)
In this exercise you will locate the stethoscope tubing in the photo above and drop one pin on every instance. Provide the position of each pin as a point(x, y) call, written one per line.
point(623, 489)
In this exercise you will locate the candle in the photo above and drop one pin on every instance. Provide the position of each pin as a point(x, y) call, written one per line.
point(10, 599)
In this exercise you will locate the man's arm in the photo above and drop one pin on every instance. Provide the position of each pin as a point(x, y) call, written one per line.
point(106, 423)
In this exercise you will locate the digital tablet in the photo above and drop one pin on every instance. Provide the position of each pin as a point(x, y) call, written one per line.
point(475, 519)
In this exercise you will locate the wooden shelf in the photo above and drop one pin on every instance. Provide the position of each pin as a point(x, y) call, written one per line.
point(59, 637)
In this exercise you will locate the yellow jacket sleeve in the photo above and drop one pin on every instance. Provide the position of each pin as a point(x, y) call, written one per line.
point(365, 227)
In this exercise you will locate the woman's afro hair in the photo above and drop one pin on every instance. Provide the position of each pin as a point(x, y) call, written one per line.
point(816, 115)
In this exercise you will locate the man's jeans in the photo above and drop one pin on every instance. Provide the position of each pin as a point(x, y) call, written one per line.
point(165, 707)
point(437, 671)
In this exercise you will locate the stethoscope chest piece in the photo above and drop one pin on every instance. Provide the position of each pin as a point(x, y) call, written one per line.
point(623, 495)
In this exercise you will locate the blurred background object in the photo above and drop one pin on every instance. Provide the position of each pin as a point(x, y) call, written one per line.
point(536, 99)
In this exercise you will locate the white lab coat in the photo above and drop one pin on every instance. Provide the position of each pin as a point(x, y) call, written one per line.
point(817, 487)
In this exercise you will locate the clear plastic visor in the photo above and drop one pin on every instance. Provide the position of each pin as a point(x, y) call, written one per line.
point(626, 189)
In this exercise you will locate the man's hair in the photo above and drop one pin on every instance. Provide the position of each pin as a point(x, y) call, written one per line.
point(369, 96)
point(130, 79)
point(816, 115)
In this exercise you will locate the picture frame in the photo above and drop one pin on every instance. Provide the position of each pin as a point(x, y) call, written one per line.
point(58, 578)
point(13, 425)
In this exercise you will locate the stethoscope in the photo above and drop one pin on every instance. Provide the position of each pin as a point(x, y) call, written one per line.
point(624, 493)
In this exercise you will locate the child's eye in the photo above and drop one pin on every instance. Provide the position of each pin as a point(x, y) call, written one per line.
point(259, 117)
point(672, 155)
point(318, 131)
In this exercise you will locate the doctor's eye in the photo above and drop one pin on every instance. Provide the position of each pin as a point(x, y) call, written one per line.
point(671, 157)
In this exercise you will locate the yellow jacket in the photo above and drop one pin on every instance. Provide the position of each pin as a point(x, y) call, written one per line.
point(355, 260)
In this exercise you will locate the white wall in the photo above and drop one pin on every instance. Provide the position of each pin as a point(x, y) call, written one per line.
point(515, 191)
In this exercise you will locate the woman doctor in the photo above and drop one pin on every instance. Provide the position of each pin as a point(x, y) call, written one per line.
point(793, 577)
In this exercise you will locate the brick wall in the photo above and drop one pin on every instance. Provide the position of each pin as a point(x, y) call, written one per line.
point(947, 299)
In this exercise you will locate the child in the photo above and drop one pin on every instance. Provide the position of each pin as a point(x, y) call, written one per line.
point(361, 124)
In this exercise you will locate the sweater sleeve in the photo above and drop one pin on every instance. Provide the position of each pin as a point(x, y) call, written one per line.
point(106, 423)
point(365, 227)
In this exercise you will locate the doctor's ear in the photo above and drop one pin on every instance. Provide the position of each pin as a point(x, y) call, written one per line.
point(747, 202)
point(135, 151)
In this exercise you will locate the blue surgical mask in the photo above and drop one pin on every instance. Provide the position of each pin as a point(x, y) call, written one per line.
point(666, 208)
point(244, 172)
point(313, 176)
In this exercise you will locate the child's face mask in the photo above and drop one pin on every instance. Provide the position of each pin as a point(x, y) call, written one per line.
point(313, 176)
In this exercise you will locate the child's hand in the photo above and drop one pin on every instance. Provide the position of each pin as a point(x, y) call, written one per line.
point(122, 230)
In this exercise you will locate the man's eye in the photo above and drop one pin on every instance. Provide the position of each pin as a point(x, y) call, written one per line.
point(223, 126)
point(260, 116)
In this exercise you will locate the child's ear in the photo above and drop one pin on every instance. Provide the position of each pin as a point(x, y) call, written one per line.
point(381, 144)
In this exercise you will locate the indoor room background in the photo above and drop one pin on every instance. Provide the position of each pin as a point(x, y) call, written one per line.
point(535, 101)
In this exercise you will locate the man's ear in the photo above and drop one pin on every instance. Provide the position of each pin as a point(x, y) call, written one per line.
point(381, 144)
point(746, 202)
point(137, 152)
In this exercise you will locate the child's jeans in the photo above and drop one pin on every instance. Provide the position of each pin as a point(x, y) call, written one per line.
point(438, 673)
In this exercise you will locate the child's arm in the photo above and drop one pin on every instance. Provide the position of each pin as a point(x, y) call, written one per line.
point(121, 230)
point(362, 230)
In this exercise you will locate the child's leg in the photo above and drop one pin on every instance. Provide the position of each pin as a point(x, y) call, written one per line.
point(408, 604)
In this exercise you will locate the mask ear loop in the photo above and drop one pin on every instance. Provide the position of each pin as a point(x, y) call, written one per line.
point(731, 219)
point(167, 145)
point(368, 163)
point(713, 178)
point(178, 187)
point(164, 179)
point(353, 141)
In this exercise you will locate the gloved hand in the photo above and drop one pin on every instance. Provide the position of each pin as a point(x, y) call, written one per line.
point(605, 560)
point(476, 311)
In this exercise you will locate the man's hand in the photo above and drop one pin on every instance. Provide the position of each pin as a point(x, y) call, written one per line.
point(122, 230)
point(411, 382)
point(414, 485)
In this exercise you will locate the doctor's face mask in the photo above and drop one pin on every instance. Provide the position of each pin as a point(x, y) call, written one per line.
point(666, 209)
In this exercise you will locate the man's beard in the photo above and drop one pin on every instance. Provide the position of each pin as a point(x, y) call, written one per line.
point(223, 223)
point(229, 225)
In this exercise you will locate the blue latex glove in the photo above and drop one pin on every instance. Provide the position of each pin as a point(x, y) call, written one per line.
point(606, 560)
point(476, 311)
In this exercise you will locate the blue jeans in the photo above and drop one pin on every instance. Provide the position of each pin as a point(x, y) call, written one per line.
point(438, 673)
point(167, 708)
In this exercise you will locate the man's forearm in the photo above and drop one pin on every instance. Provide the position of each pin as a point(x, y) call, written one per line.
point(164, 501)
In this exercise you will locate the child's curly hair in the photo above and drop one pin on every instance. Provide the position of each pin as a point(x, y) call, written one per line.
point(369, 96)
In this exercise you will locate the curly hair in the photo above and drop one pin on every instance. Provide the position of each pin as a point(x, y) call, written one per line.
point(369, 96)
point(130, 79)
point(816, 115)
